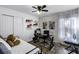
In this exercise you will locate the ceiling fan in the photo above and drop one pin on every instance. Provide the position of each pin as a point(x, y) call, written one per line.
point(39, 8)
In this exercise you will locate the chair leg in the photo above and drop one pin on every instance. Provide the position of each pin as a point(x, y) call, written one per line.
point(68, 47)
point(76, 51)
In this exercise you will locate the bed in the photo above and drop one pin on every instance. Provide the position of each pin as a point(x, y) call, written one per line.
point(23, 48)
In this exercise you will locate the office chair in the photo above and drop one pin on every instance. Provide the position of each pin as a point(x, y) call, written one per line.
point(37, 33)
point(51, 43)
point(45, 35)
point(47, 39)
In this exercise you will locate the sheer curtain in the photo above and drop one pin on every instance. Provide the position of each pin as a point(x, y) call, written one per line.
point(68, 25)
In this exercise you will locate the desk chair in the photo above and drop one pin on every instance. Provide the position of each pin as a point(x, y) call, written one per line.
point(45, 35)
point(51, 43)
point(37, 33)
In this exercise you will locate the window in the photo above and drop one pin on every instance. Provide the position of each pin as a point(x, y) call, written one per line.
point(61, 28)
point(68, 26)
point(70, 29)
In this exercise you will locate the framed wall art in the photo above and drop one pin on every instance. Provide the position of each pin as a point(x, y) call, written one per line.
point(29, 23)
point(51, 24)
point(44, 25)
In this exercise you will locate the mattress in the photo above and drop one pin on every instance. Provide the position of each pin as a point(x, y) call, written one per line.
point(24, 48)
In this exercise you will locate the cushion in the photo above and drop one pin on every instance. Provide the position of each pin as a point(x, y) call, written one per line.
point(10, 43)
point(4, 46)
point(4, 49)
point(5, 43)
point(1, 52)
point(11, 38)
point(17, 42)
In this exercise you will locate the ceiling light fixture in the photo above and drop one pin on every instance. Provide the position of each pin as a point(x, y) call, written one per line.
point(40, 9)
point(39, 12)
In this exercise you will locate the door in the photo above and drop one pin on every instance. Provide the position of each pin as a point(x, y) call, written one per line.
point(18, 27)
point(6, 25)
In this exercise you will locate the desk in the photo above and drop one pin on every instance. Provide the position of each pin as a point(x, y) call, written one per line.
point(71, 43)
point(45, 37)
point(75, 45)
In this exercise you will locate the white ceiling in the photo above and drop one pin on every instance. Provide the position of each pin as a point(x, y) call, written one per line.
point(51, 8)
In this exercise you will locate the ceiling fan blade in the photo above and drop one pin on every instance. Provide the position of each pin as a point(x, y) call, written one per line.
point(34, 11)
point(34, 7)
point(45, 10)
point(43, 6)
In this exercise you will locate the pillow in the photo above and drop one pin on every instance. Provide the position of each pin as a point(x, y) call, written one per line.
point(11, 37)
point(1, 52)
point(17, 42)
point(4, 49)
point(10, 43)
point(4, 43)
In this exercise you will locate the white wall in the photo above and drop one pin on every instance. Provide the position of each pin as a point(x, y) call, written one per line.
point(19, 23)
point(53, 17)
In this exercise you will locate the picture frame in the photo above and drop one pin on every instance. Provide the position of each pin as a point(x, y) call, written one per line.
point(51, 24)
point(44, 25)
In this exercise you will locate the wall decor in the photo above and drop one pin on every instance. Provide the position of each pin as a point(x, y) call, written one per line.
point(35, 24)
point(44, 25)
point(51, 24)
point(27, 20)
point(29, 23)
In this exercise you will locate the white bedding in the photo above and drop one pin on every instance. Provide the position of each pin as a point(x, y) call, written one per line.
point(23, 48)
point(4, 47)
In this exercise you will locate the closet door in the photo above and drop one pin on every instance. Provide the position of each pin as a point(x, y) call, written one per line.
point(6, 25)
point(18, 27)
